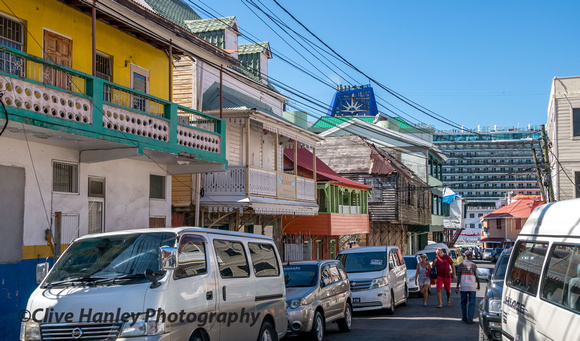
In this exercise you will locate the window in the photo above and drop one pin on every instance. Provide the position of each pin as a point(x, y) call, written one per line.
point(139, 82)
point(11, 35)
point(376, 192)
point(576, 122)
point(96, 188)
point(156, 187)
point(498, 223)
point(562, 280)
point(191, 256)
point(95, 218)
point(103, 67)
point(527, 261)
point(264, 260)
point(65, 177)
point(231, 258)
point(577, 184)
point(479, 215)
point(472, 226)
point(471, 215)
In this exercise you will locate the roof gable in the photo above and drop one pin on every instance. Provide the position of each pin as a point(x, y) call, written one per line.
point(213, 25)
point(262, 47)
point(176, 11)
point(519, 209)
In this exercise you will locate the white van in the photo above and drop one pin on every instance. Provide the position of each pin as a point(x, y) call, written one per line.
point(442, 246)
point(161, 284)
point(541, 295)
point(378, 277)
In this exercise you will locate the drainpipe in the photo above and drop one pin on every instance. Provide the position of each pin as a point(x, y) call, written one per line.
point(170, 71)
point(94, 10)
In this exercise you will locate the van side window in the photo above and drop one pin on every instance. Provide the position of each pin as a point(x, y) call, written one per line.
point(231, 258)
point(527, 261)
point(562, 284)
point(191, 256)
point(264, 260)
point(334, 275)
point(392, 260)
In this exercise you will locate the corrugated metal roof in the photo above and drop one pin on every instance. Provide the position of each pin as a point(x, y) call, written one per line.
point(263, 46)
point(233, 100)
point(210, 25)
point(175, 10)
point(305, 161)
point(519, 209)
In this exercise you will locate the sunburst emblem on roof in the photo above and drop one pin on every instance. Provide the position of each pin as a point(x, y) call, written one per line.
point(352, 107)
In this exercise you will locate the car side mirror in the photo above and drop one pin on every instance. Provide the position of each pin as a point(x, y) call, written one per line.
point(41, 271)
point(325, 281)
point(483, 273)
point(168, 257)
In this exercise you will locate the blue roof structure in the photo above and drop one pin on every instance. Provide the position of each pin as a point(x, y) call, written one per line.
point(354, 101)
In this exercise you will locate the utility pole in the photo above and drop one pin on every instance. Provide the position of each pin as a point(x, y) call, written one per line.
point(547, 163)
point(539, 174)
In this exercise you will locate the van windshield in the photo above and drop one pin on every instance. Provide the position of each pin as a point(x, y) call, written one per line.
point(363, 261)
point(112, 257)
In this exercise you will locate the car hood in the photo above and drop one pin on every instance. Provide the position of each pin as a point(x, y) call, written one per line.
point(298, 292)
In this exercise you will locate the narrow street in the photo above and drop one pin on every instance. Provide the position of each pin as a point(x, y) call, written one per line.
point(415, 322)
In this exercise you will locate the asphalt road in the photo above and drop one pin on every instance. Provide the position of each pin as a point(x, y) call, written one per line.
point(415, 322)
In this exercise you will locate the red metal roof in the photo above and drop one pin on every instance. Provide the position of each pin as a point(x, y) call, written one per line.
point(305, 161)
point(519, 209)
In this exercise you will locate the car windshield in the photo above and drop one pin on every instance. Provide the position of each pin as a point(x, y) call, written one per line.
point(410, 262)
point(500, 267)
point(363, 261)
point(109, 257)
point(300, 275)
point(487, 250)
point(430, 255)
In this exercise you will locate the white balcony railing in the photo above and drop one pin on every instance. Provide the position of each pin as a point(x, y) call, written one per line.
point(262, 182)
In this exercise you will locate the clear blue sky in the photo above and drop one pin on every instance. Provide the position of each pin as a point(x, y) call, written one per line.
point(473, 62)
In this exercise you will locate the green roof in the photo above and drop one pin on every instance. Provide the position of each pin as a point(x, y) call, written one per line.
point(333, 121)
point(174, 10)
point(210, 25)
point(254, 47)
point(402, 123)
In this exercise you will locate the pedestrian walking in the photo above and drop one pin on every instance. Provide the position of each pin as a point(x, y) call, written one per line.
point(422, 278)
point(466, 283)
point(444, 263)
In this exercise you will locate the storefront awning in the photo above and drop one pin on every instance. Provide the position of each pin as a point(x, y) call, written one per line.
point(260, 205)
point(491, 240)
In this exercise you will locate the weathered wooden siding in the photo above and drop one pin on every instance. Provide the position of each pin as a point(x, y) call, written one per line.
point(184, 83)
point(327, 224)
point(181, 190)
point(345, 154)
point(234, 144)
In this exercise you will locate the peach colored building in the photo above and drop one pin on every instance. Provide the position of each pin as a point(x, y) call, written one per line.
point(504, 224)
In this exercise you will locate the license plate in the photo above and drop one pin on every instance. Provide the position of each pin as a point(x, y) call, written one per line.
point(356, 300)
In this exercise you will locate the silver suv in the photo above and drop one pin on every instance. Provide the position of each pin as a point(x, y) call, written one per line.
point(317, 293)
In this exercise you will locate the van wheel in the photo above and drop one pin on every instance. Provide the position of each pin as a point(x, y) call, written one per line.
point(404, 303)
point(345, 323)
point(317, 332)
point(198, 335)
point(267, 332)
point(391, 310)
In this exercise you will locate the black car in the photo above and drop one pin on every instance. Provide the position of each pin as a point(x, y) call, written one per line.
point(490, 305)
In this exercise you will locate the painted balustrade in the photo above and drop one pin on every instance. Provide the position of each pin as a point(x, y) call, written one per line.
point(105, 109)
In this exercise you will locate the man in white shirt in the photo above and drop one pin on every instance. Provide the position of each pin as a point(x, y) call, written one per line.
point(469, 283)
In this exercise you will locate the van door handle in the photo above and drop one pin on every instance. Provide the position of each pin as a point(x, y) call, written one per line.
point(209, 295)
point(224, 292)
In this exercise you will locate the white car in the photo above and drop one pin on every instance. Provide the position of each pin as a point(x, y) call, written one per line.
point(411, 263)
point(487, 254)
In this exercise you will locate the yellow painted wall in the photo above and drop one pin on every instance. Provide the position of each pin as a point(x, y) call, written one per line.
point(55, 16)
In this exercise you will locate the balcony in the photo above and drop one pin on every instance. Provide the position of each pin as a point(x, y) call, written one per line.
point(247, 181)
point(93, 113)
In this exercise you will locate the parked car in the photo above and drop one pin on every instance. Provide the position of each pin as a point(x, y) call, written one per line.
point(490, 305)
point(541, 296)
point(435, 246)
point(495, 254)
point(486, 254)
point(317, 293)
point(184, 273)
point(456, 256)
point(411, 264)
point(378, 277)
